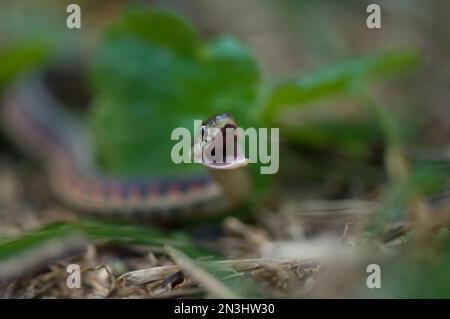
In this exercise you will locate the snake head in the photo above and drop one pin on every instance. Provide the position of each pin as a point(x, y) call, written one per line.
point(217, 143)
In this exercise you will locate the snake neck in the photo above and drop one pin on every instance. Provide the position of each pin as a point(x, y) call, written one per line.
point(236, 183)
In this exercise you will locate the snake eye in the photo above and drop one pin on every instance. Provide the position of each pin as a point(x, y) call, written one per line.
point(203, 131)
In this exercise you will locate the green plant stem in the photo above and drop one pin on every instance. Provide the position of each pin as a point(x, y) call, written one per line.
point(394, 160)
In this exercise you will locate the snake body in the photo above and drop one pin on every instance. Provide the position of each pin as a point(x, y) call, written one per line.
point(36, 122)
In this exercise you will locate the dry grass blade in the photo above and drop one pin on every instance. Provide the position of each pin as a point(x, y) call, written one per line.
point(332, 208)
point(201, 276)
point(148, 275)
point(144, 276)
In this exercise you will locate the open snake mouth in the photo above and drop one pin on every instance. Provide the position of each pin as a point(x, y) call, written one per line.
point(218, 144)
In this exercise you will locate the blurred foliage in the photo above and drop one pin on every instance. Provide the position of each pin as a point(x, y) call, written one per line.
point(354, 134)
point(152, 74)
point(339, 79)
point(411, 278)
point(423, 180)
point(19, 58)
point(171, 77)
point(27, 241)
point(99, 230)
point(352, 137)
point(31, 37)
point(416, 273)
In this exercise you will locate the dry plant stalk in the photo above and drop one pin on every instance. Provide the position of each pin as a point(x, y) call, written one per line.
point(145, 276)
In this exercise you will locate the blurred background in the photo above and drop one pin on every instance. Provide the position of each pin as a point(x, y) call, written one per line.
point(364, 118)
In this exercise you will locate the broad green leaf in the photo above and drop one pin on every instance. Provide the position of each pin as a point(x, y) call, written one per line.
point(337, 79)
point(146, 25)
point(152, 74)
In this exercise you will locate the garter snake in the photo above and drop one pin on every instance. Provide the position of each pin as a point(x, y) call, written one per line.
point(36, 122)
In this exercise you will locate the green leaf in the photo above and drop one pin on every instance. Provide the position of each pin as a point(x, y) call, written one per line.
point(35, 248)
point(152, 74)
point(133, 234)
point(32, 239)
point(18, 58)
point(146, 25)
point(337, 79)
point(99, 230)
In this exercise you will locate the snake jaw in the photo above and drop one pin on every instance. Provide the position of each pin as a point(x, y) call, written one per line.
point(230, 163)
point(218, 143)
